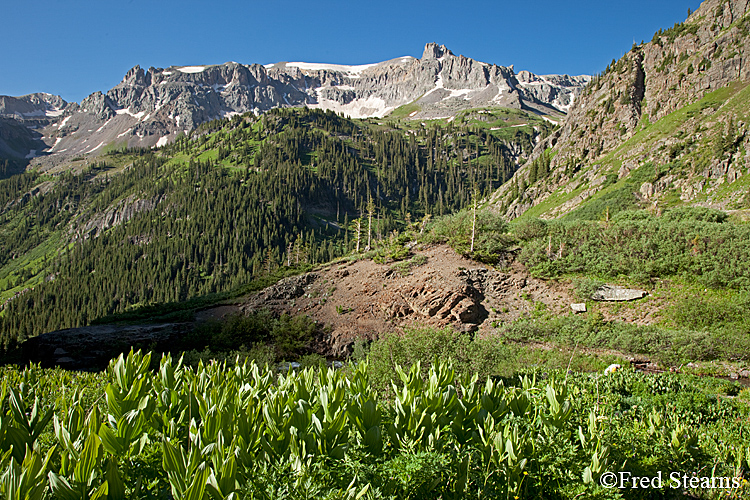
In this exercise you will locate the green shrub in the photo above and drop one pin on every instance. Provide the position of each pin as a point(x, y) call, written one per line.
point(312, 361)
point(631, 215)
point(686, 214)
point(700, 245)
point(585, 287)
point(291, 334)
point(708, 311)
point(530, 229)
point(251, 336)
point(490, 239)
point(238, 329)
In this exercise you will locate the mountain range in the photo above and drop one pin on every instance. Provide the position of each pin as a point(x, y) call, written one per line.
point(151, 108)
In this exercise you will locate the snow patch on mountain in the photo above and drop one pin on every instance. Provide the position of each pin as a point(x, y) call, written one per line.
point(50, 113)
point(351, 71)
point(192, 69)
point(127, 111)
point(359, 108)
point(105, 124)
point(97, 147)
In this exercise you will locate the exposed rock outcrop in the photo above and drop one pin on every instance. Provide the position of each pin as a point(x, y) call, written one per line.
point(113, 216)
point(364, 299)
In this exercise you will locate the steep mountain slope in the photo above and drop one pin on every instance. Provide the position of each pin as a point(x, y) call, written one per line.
point(666, 124)
point(153, 107)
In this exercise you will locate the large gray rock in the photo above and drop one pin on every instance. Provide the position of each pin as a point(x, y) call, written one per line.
point(613, 293)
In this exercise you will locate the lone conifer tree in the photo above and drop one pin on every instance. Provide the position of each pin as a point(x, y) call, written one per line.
point(370, 213)
point(473, 218)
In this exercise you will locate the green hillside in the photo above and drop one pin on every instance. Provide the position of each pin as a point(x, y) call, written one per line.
point(235, 200)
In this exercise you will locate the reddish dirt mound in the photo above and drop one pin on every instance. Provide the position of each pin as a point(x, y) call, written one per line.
point(363, 299)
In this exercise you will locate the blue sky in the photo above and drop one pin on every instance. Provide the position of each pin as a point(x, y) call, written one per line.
point(76, 47)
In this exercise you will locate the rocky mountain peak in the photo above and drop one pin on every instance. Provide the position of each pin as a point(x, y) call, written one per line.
point(135, 76)
point(32, 105)
point(434, 51)
point(98, 105)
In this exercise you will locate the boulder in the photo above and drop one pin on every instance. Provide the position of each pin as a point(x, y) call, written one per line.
point(612, 293)
point(579, 308)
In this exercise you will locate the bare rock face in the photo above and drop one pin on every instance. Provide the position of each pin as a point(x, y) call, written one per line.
point(21, 122)
point(612, 293)
point(462, 304)
point(115, 215)
point(558, 90)
point(19, 141)
point(152, 107)
point(280, 293)
point(32, 106)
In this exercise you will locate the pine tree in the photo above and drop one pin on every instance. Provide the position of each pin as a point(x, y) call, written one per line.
point(473, 218)
point(370, 213)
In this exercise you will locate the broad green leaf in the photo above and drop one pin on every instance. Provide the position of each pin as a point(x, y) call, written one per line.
point(197, 489)
point(61, 488)
point(100, 492)
point(115, 486)
point(110, 441)
point(587, 476)
point(84, 469)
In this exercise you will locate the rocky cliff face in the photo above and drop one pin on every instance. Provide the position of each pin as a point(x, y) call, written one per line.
point(152, 107)
point(21, 122)
point(32, 106)
point(654, 82)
